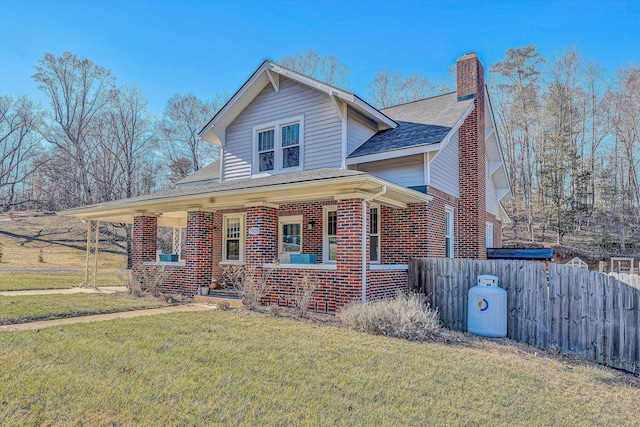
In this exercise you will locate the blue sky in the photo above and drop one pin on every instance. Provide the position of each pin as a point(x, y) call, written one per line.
point(206, 47)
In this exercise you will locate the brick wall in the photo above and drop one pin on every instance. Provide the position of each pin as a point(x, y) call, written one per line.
point(416, 231)
point(199, 251)
point(471, 213)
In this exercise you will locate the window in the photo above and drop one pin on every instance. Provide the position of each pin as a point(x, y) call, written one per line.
point(278, 146)
point(265, 150)
point(290, 240)
point(330, 234)
point(233, 238)
point(374, 235)
point(489, 231)
point(449, 232)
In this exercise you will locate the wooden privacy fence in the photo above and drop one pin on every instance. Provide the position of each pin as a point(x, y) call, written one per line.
point(587, 313)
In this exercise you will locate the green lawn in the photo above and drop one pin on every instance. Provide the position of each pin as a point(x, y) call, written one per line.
point(24, 281)
point(234, 368)
point(21, 309)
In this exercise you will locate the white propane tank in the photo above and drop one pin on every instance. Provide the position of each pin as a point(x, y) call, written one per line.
point(487, 309)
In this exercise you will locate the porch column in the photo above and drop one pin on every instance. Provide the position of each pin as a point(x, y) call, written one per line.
point(145, 240)
point(199, 251)
point(262, 235)
point(349, 251)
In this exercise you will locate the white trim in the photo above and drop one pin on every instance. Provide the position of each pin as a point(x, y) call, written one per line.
point(242, 239)
point(450, 232)
point(325, 230)
point(277, 126)
point(427, 168)
point(332, 266)
point(231, 263)
point(166, 263)
point(392, 154)
point(221, 178)
point(274, 78)
point(345, 139)
point(388, 267)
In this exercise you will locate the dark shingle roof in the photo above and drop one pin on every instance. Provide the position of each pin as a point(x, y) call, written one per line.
point(422, 122)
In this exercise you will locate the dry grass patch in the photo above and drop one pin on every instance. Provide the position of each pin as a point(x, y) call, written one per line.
point(234, 368)
point(51, 241)
point(22, 309)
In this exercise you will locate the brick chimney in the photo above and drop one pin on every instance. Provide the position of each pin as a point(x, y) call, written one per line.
point(472, 210)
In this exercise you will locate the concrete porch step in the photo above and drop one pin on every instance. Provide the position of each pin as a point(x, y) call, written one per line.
point(216, 297)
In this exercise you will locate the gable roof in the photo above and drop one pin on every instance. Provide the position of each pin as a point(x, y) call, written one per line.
point(207, 174)
point(269, 74)
point(420, 123)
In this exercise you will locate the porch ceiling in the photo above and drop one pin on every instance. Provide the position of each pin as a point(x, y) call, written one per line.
point(318, 185)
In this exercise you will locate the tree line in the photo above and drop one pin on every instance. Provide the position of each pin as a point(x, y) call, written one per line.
point(570, 134)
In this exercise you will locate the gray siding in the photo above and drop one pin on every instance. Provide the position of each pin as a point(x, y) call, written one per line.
point(359, 130)
point(444, 168)
point(407, 171)
point(322, 127)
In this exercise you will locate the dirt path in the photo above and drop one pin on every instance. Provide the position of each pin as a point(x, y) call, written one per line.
point(101, 317)
point(101, 290)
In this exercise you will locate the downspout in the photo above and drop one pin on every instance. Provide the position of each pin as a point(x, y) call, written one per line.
point(364, 240)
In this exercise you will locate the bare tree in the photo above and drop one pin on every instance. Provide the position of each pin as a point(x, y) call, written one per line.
point(391, 88)
point(518, 113)
point(78, 91)
point(328, 69)
point(184, 116)
point(19, 144)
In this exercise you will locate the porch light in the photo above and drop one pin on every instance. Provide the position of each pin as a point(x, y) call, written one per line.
point(311, 224)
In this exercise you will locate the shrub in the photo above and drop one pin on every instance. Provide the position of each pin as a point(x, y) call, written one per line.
point(405, 316)
point(224, 305)
point(149, 280)
point(1, 252)
point(255, 285)
point(231, 278)
point(41, 255)
point(305, 287)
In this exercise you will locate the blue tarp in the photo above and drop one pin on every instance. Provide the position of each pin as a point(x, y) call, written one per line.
point(525, 254)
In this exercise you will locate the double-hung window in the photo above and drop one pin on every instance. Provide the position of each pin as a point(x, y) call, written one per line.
point(330, 234)
point(233, 238)
point(449, 232)
point(279, 146)
point(374, 234)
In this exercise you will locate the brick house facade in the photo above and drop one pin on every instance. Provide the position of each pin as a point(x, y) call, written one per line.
point(367, 190)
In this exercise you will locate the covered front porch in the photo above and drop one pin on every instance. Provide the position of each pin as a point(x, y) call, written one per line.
point(345, 228)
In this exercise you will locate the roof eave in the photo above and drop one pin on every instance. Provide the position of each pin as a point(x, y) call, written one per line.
point(213, 200)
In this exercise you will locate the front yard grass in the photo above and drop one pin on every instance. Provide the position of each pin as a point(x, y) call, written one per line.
point(21, 309)
point(39, 280)
point(238, 368)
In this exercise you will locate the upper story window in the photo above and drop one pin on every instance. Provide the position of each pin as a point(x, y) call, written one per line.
point(278, 146)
